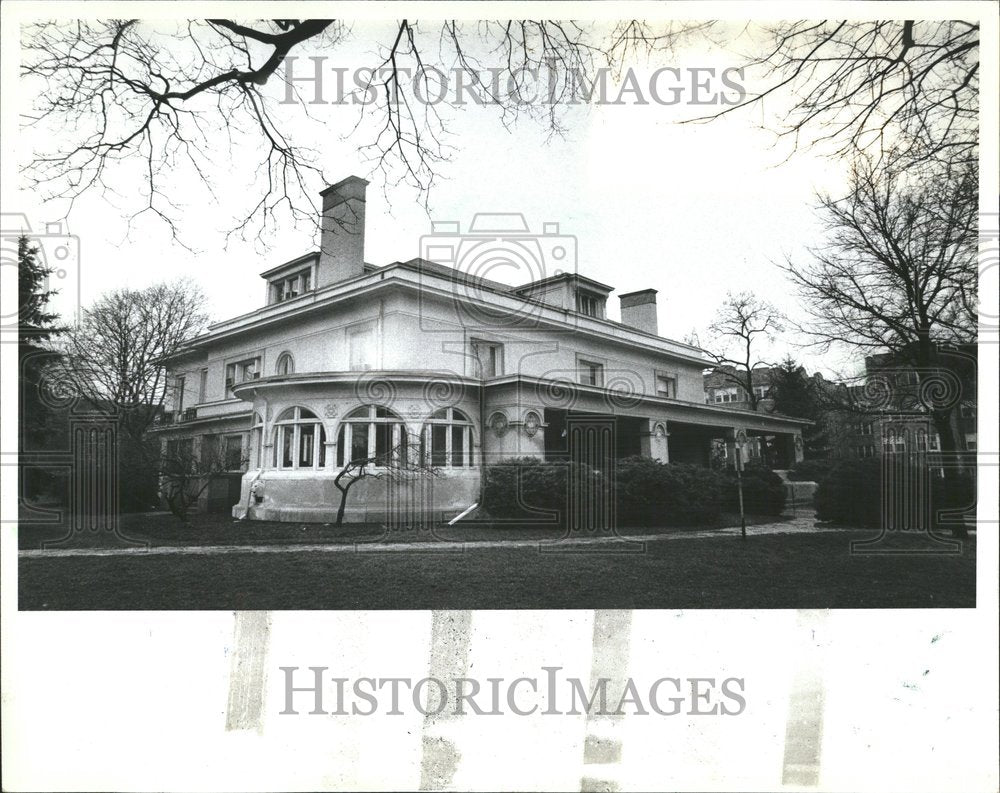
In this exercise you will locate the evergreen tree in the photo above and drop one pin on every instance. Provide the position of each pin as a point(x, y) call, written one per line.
point(36, 326)
point(796, 394)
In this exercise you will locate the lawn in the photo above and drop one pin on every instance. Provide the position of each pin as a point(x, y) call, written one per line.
point(773, 571)
point(161, 529)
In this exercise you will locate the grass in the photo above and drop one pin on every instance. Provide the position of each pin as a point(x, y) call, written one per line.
point(163, 529)
point(771, 571)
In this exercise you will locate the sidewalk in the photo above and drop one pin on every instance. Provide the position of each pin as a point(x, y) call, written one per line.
point(428, 541)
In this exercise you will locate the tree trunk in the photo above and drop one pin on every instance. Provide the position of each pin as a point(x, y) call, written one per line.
point(953, 475)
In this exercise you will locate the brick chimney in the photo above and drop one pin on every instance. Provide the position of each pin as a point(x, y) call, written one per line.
point(342, 231)
point(639, 310)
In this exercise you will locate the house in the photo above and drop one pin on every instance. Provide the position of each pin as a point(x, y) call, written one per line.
point(721, 388)
point(435, 360)
point(891, 410)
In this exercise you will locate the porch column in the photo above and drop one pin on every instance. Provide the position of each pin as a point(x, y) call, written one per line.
point(798, 447)
point(653, 440)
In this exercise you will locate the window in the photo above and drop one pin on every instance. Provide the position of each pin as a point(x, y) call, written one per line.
point(894, 442)
point(729, 394)
point(489, 358)
point(866, 429)
point(372, 432)
point(180, 456)
point(446, 440)
point(240, 372)
point(591, 373)
point(361, 345)
point(666, 386)
point(907, 378)
point(299, 440)
point(970, 442)
point(761, 391)
point(179, 395)
point(232, 452)
point(588, 304)
point(928, 442)
point(866, 451)
point(291, 286)
point(285, 364)
point(968, 411)
point(203, 386)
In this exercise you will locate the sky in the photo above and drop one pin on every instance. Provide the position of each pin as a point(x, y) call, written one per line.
point(692, 210)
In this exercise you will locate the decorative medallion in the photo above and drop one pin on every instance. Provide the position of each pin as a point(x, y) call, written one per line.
point(659, 430)
point(330, 410)
point(531, 423)
point(499, 424)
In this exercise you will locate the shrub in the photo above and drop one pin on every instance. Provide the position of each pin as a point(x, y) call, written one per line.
point(810, 471)
point(650, 493)
point(647, 493)
point(522, 486)
point(852, 493)
point(763, 491)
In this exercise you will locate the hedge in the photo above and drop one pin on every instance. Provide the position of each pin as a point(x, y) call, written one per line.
point(647, 492)
point(810, 471)
point(852, 492)
point(763, 491)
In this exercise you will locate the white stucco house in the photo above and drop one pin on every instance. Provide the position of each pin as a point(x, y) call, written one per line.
point(432, 359)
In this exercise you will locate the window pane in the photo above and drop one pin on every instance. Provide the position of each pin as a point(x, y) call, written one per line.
point(383, 441)
point(403, 454)
point(287, 436)
point(233, 452)
point(359, 441)
point(457, 458)
point(307, 445)
point(439, 439)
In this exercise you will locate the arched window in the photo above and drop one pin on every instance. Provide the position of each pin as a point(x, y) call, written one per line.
point(372, 432)
point(446, 441)
point(285, 364)
point(299, 440)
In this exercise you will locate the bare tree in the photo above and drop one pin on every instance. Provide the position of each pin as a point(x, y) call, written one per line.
point(185, 475)
point(165, 97)
point(743, 322)
point(871, 86)
point(401, 464)
point(131, 102)
point(114, 358)
point(898, 275)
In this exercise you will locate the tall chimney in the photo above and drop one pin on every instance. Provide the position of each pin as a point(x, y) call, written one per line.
point(342, 231)
point(639, 310)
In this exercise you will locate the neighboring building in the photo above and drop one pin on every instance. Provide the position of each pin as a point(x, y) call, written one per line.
point(890, 409)
point(347, 360)
point(721, 390)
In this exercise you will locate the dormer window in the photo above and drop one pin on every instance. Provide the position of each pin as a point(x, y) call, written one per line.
point(588, 304)
point(291, 286)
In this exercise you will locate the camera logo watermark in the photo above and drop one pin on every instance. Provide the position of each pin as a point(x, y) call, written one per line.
point(57, 251)
point(499, 273)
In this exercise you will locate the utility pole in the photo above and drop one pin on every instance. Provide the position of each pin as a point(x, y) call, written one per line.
point(740, 438)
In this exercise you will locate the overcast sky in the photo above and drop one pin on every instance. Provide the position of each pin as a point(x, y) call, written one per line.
point(692, 210)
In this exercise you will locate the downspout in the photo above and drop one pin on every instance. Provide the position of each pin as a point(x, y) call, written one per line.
point(482, 440)
point(260, 452)
point(482, 430)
